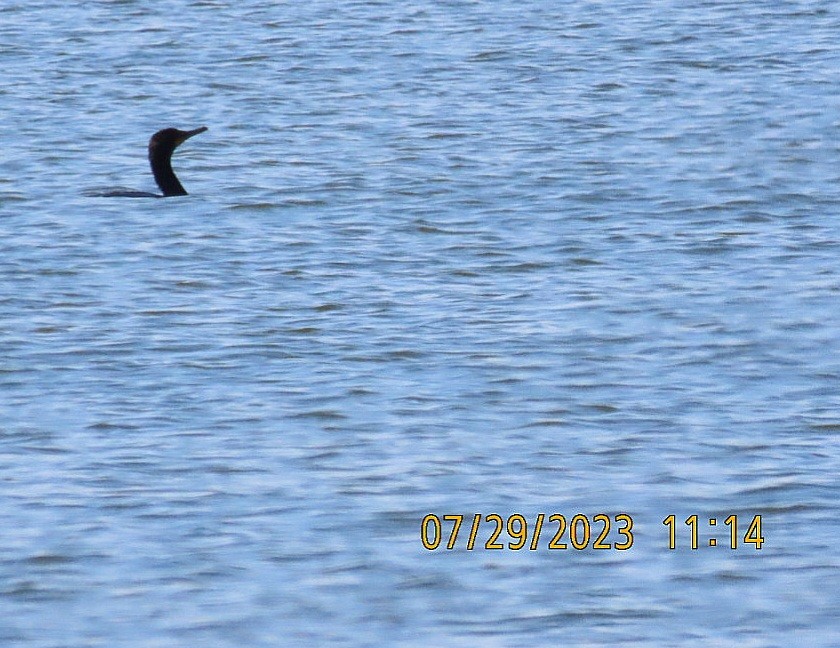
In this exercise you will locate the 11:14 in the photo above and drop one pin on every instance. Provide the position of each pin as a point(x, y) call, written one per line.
point(752, 536)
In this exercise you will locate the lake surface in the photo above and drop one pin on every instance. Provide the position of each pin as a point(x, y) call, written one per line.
point(438, 258)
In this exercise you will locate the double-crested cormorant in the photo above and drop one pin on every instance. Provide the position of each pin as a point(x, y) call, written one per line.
point(161, 147)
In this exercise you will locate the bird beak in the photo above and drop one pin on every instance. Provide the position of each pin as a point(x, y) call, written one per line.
point(189, 134)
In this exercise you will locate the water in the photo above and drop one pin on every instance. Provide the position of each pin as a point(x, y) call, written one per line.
point(450, 258)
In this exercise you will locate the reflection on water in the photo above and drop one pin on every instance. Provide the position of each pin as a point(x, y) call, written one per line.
point(447, 259)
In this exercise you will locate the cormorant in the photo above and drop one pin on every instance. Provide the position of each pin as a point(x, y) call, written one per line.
point(161, 147)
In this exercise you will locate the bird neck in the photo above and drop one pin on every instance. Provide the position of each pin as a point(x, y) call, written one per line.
point(164, 175)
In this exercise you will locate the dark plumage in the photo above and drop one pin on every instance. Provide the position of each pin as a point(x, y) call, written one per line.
point(161, 147)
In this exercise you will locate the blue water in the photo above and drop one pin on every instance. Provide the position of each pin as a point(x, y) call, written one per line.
point(437, 258)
